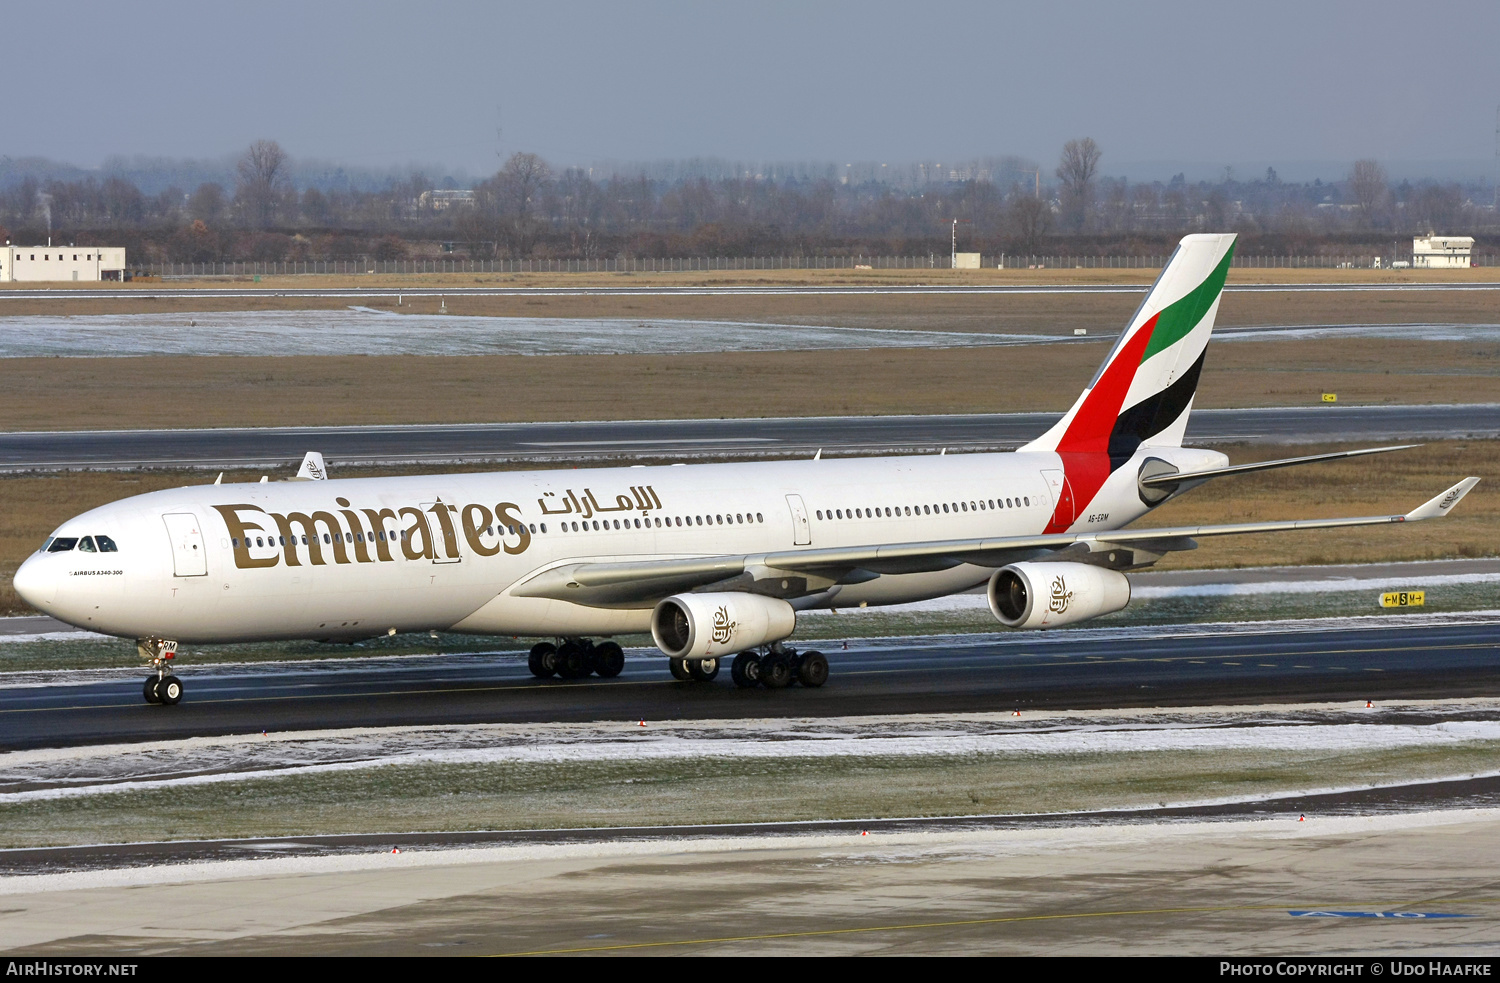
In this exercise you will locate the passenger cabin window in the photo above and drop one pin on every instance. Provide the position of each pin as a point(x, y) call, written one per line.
point(62, 544)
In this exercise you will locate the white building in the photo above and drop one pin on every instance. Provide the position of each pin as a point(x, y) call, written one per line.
point(442, 199)
point(1442, 252)
point(42, 264)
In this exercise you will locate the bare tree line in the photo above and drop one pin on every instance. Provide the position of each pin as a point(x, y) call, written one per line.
point(530, 209)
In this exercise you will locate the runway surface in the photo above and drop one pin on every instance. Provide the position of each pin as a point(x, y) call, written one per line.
point(1414, 658)
point(166, 292)
point(1420, 888)
point(688, 439)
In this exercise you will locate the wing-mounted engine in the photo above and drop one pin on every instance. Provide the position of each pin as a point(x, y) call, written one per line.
point(706, 626)
point(1046, 595)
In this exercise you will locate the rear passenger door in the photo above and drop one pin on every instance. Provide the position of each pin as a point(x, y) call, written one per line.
point(189, 558)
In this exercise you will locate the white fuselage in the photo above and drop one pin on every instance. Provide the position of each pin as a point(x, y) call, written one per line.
point(358, 557)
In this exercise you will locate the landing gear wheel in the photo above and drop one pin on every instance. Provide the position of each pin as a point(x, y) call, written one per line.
point(775, 671)
point(679, 669)
point(812, 670)
point(169, 690)
point(703, 669)
point(543, 660)
point(609, 660)
point(745, 670)
point(149, 691)
point(572, 661)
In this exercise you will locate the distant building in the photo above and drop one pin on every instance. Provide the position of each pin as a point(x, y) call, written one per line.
point(966, 261)
point(1442, 252)
point(49, 264)
point(441, 200)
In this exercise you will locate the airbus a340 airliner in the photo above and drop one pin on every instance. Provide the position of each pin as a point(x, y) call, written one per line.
point(715, 560)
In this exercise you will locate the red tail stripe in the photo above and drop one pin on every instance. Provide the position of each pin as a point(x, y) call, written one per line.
point(1090, 428)
point(1084, 446)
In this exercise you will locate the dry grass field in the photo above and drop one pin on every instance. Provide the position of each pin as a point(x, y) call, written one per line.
point(31, 506)
point(958, 312)
point(220, 391)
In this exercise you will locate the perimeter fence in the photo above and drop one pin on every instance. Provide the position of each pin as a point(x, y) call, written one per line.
point(693, 264)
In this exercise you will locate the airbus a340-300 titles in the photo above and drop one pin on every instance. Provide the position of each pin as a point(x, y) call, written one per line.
point(715, 560)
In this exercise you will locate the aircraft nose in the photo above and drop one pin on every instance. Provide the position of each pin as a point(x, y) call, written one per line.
point(36, 582)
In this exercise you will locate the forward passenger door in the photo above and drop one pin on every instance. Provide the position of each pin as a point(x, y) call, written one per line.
point(189, 558)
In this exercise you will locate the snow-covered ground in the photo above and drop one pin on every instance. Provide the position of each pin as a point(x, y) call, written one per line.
point(111, 769)
point(870, 847)
point(1410, 332)
point(366, 331)
point(369, 332)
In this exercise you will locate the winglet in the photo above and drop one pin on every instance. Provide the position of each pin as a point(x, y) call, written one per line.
point(1442, 504)
point(313, 468)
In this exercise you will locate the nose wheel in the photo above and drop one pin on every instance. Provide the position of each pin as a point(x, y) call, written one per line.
point(161, 687)
point(165, 690)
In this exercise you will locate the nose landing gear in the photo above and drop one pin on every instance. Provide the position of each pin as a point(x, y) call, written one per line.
point(163, 687)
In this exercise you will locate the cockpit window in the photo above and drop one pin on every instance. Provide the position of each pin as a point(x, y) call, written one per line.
point(86, 544)
point(62, 544)
point(106, 545)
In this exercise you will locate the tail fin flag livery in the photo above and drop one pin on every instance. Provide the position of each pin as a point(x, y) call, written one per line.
point(1143, 392)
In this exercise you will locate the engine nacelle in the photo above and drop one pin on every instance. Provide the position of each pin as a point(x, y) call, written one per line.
point(706, 626)
point(1046, 595)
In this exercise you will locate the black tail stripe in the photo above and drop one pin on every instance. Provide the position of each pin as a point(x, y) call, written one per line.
point(1152, 415)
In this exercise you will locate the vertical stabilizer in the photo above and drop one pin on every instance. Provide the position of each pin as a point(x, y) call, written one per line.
point(1144, 390)
point(312, 468)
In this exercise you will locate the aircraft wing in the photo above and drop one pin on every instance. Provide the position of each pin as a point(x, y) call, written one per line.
point(798, 572)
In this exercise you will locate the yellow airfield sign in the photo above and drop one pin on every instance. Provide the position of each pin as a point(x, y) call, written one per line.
point(1403, 599)
point(1330, 397)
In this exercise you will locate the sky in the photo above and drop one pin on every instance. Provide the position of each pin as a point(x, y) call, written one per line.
point(464, 83)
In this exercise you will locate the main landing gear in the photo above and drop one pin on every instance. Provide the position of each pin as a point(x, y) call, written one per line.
point(575, 658)
point(779, 667)
point(163, 687)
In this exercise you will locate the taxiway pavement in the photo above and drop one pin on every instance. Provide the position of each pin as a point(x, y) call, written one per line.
point(690, 439)
point(1413, 658)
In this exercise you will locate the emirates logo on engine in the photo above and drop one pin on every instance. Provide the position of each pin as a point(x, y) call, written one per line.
point(723, 627)
point(1061, 596)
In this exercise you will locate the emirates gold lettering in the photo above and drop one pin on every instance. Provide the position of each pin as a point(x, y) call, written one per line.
point(365, 535)
point(361, 548)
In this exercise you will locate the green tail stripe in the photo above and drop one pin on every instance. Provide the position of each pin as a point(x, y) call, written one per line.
point(1177, 319)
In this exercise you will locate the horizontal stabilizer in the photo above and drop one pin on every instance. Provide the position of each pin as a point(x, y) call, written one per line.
point(1443, 504)
point(1177, 478)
